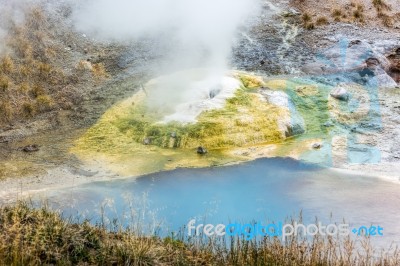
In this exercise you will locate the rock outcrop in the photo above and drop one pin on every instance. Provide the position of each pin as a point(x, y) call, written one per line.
point(292, 124)
point(356, 61)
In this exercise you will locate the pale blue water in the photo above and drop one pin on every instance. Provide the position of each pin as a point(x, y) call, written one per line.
point(262, 190)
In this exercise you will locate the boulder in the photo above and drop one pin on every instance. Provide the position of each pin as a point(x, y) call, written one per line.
point(31, 148)
point(201, 150)
point(317, 146)
point(394, 59)
point(292, 124)
point(340, 93)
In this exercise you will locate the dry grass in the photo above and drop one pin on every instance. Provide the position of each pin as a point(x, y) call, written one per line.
point(43, 237)
point(337, 12)
point(322, 21)
point(33, 71)
point(28, 109)
point(99, 70)
point(7, 65)
point(357, 14)
point(306, 17)
point(44, 103)
point(4, 83)
point(308, 23)
point(386, 19)
point(381, 5)
point(381, 8)
point(309, 26)
point(6, 111)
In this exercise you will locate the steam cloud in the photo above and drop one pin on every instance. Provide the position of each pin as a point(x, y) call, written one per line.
point(11, 12)
point(199, 31)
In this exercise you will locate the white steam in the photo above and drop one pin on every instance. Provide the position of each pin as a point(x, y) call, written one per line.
point(201, 31)
point(198, 33)
point(12, 12)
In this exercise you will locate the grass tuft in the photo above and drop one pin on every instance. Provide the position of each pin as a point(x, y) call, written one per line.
point(309, 26)
point(306, 17)
point(337, 13)
point(44, 103)
point(322, 21)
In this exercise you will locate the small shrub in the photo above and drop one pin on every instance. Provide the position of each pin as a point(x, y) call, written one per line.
point(50, 52)
point(22, 48)
point(387, 20)
point(24, 87)
point(56, 77)
point(84, 65)
point(322, 21)
point(28, 109)
point(25, 70)
point(7, 64)
point(360, 7)
point(35, 19)
point(337, 13)
point(306, 17)
point(99, 70)
point(37, 91)
point(381, 5)
point(4, 83)
point(44, 103)
point(357, 14)
point(44, 69)
point(310, 26)
point(5, 111)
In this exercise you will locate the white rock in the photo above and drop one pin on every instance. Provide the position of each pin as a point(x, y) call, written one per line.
point(340, 93)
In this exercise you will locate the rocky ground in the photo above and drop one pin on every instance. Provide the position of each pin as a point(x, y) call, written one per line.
point(339, 52)
point(343, 50)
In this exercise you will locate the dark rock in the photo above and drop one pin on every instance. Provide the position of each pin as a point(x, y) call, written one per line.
point(31, 148)
point(394, 70)
point(317, 146)
point(214, 92)
point(354, 42)
point(201, 150)
point(294, 129)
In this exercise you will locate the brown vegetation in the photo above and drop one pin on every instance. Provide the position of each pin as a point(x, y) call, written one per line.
point(33, 71)
point(42, 237)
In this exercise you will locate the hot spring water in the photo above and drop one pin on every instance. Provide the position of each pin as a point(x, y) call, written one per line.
point(262, 190)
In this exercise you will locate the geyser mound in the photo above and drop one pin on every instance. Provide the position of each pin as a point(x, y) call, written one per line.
point(161, 126)
point(184, 95)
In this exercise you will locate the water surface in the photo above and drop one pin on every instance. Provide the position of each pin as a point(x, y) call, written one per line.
point(262, 190)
